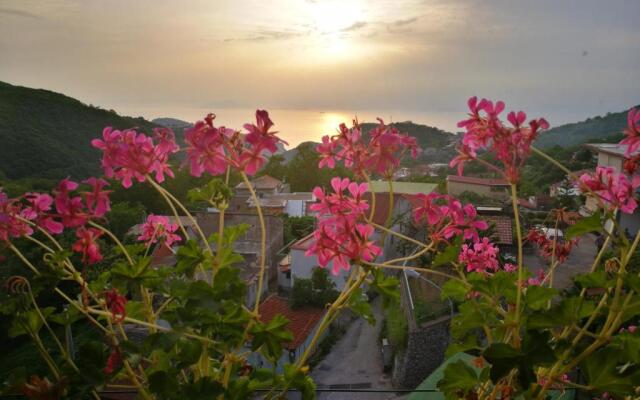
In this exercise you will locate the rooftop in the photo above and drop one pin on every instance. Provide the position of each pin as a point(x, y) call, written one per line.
point(304, 243)
point(301, 321)
point(613, 149)
point(477, 181)
point(402, 187)
point(263, 182)
point(503, 228)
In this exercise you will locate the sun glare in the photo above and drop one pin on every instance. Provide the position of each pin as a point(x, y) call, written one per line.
point(335, 16)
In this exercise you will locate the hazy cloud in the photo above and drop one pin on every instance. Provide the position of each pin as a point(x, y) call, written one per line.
point(18, 13)
point(355, 26)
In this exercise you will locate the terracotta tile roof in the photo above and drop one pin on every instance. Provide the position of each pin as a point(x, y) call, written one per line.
point(304, 243)
point(301, 321)
point(477, 181)
point(263, 182)
point(503, 228)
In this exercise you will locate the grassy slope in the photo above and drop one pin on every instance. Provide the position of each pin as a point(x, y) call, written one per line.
point(47, 134)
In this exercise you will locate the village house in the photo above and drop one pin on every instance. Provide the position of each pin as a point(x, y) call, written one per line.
point(303, 324)
point(300, 266)
point(497, 189)
point(612, 155)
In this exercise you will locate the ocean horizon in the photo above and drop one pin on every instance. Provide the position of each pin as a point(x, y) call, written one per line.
point(301, 125)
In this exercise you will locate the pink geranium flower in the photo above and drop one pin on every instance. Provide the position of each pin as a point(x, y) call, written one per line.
point(510, 145)
point(116, 303)
point(69, 208)
point(158, 228)
point(212, 149)
point(97, 200)
point(482, 256)
point(632, 132)
point(341, 236)
point(615, 189)
point(11, 226)
point(446, 217)
point(87, 245)
point(380, 155)
point(128, 155)
point(38, 211)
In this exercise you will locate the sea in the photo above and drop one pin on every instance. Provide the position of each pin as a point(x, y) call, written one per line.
point(300, 125)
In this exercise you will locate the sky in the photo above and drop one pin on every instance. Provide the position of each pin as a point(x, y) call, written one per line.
point(563, 59)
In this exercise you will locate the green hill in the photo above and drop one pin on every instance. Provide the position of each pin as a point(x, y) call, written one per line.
point(593, 129)
point(427, 136)
point(47, 135)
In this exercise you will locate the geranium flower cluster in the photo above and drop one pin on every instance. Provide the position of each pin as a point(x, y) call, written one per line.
point(632, 132)
point(481, 256)
point(128, 155)
point(613, 188)
point(158, 228)
point(381, 155)
point(510, 145)
point(342, 236)
point(446, 217)
point(55, 213)
point(550, 248)
point(212, 149)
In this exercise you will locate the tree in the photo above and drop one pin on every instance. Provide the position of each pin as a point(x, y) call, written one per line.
point(303, 173)
point(275, 167)
point(315, 292)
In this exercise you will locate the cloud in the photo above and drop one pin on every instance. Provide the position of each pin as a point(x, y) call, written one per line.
point(19, 13)
point(266, 35)
point(403, 22)
point(355, 26)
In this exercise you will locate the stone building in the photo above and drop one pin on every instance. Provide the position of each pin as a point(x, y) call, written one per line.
point(493, 188)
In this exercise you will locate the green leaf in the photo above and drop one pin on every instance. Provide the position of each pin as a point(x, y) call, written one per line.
point(567, 312)
point(455, 290)
point(387, 286)
point(503, 358)
point(628, 345)
point(67, 317)
point(28, 322)
point(269, 337)
point(458, 376)
point(359, 304)
point(163, 383)
point(585, 225)
point(449, 254)
point(597, 279)
point(300, 381)
point(189, 256)
point(215, 192)
point(601, 370)
point(537, 297)
point(189, 352)
point(135, 310)
point(468, 343)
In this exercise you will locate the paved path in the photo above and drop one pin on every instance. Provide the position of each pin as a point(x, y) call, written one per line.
point(355, 360)
point(578, 262)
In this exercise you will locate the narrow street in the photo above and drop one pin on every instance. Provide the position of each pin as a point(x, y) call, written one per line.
point(578, 262)
point(355, 362)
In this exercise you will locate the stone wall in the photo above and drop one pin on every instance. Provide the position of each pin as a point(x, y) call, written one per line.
point(423, 353)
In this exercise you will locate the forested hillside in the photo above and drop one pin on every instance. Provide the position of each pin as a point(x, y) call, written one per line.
point(46, 134)
point(592, 129)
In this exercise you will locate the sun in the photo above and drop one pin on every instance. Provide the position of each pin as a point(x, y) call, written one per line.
point(336, 16)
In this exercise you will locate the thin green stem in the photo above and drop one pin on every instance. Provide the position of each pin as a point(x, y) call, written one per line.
point(516, 215)
point(115, 240)
point(263, 241)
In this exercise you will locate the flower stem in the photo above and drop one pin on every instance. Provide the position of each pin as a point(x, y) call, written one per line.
point(263, 241)
point(516, 216)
